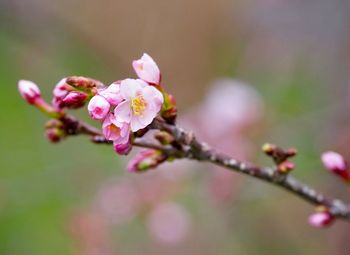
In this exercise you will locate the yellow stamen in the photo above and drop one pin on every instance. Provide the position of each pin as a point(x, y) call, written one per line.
point(138, 105)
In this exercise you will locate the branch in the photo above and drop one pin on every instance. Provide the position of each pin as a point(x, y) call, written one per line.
point(185, 145)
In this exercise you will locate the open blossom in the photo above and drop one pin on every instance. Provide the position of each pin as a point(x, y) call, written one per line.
point(98, 107)
point(112, 94)
point(146, 69)
point(115, 131)
point(335, 163)
point(141, 104)
point(29, 91)
point(320, 219)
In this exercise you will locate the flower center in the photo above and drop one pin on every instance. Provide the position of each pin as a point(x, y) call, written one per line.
point(138, 105)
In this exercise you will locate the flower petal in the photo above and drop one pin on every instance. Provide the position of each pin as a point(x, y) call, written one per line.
point(123, 112)
point(129, 88)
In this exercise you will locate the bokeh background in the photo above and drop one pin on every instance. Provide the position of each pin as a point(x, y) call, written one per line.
point(243, 73)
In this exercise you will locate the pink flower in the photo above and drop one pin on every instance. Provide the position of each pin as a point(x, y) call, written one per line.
point(320, 219)
point(335, 163)
point(112, 94)
point(115, 131)
point(141, 104)
point(29, 91)
point(98, 107)
point(146, 69)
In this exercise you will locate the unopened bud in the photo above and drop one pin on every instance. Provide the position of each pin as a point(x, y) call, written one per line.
point(123, 149)
point(269, 148)
point(84, 83)
point(320, 219)
point(335, 163)
point(285, 167)
point(164, 137)
point(169, 110)
point(145, 160)
point(74, 99)
point(29, 91)
point(54, 135)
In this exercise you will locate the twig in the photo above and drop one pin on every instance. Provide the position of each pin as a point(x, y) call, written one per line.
point(187, 146)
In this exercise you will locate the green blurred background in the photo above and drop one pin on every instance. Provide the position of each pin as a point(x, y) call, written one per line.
point(294, 53)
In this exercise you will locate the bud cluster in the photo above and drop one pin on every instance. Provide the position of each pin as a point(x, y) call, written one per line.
point(280, 157)
point(125, 108)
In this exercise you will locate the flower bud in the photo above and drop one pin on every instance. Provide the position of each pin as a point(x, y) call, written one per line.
point(54, 135)
point(320, 219)
point(285, 167)
point(74, 99)
point(335, 163)
point(29, 91)
point(123, 149)
point(145, 160)
point(147, 70)
point(169, 110)
point(269, 148)
point(84, 83)
point(164, 137)
point(98, 107)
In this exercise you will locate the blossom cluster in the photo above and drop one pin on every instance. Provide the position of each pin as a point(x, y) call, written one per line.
point(125, 108)
point(129, 105)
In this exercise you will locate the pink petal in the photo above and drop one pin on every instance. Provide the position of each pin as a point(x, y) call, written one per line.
point(135, 124)
point(151, 94)
point(147, 69)
point(123, 112)
point(112, 94)
point(129, 88)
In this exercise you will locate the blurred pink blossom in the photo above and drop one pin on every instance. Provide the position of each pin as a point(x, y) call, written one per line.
point(91, 234)
point(118, 201)
point(169, 223)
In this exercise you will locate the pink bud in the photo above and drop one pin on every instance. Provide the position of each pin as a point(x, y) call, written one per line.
point(61, 89)
point(112, 94)
point(54, 135)
point(320, 219)
point(335, 163)
point(145, 160)
point(74, 99)
point(98, 107)
point(29, 91)
point(146, 69)
point(123, 149)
